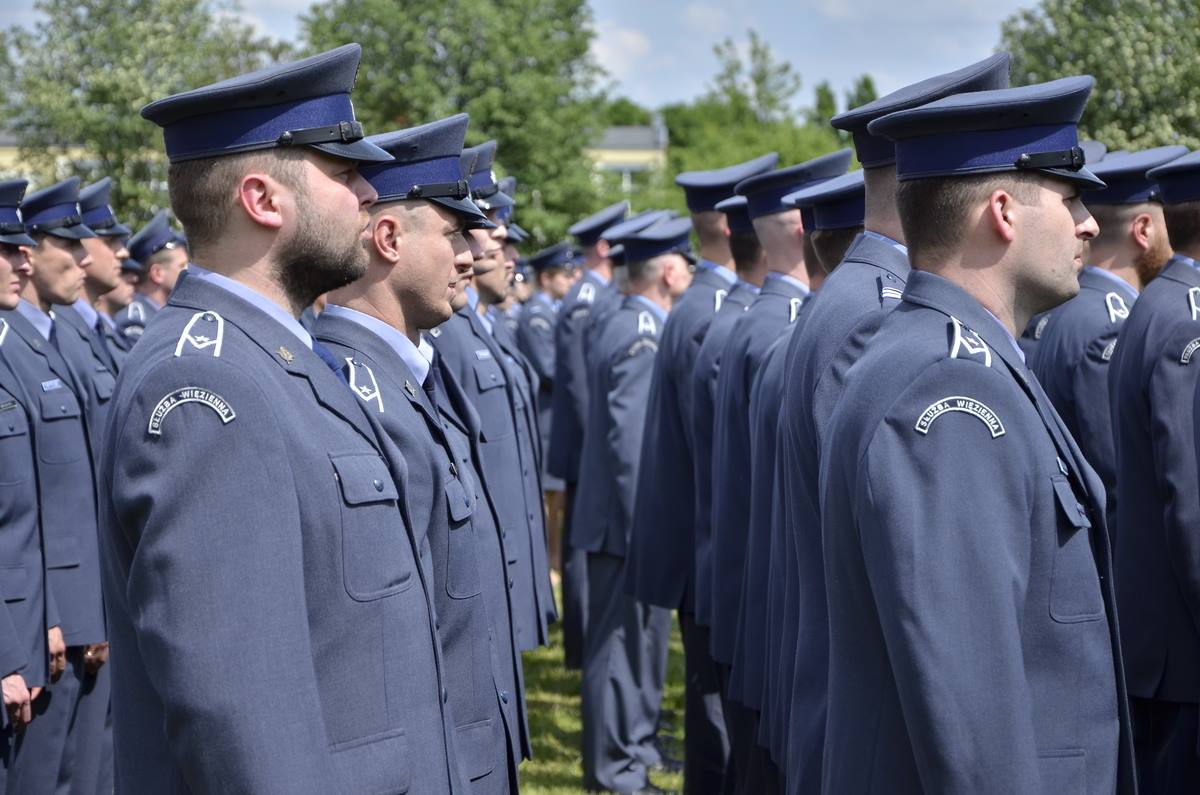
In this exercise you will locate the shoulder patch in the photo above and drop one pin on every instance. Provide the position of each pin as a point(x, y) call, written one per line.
point(537, 321)
point(718, 299)
point(435, 332)
point(890, 293)
point(136, 312)
point(189, 394)
point(1189, 350)
point(966, 344)
point(1107, 353)
point(132, 331)
point(587, 292)
point(204, 331)
point(966, 405)
point(579, 312)
point(646, 324)
point(643, 344)
point(794, 309)
point(1194, 302)
point(1118, 309)
point(1040, 328)
point(363, 383)
point(3, 331)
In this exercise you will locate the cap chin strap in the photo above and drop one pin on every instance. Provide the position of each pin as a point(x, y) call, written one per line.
point(1071, 159)
point(345, 132)
point(439, 190)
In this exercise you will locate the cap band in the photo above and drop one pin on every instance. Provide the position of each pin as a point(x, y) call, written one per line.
point(769, 199)
point(1181, 188)
point(842, 214)
point(983, 151)
point(873, 151)
point(54, 217)
point(1135, 189)
point(437, 177)
point(637, 250)
point(243, 129)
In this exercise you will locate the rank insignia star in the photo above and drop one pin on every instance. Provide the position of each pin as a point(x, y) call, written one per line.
point(285, 354)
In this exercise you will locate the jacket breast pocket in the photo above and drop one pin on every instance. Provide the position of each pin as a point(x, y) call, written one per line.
point(376, 553)
point(105, 382)
point(462, 570)
point(495, 416)
point(1075, 594)
point(15, 454)
point(61, 435)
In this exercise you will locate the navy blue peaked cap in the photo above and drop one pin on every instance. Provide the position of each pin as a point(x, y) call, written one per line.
point(704, 189)
point(836, 204)
point(636, 223)
point(97, 213)
point(55, 211)
point(1093, 151)
point(1125, 175)
point(558, 256)
point(516, 233)
point(591, 229)
point(1028, 129)
point(764, 193)
point(508, 186)
point(737, 214)
point(152, 238)
point(303, 103)
point(12, 228)
point(485, 190)
point(1179, 180)
point(873, 150)
point(424, 165)
point(661, 238)
point(130, 265)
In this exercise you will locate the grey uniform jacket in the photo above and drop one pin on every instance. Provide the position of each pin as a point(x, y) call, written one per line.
point(27, 613)
point(840, 321)
point(1071, 361)
point(441, 498)
point(65, 478)
point(1152, 376)
point(661, 557)
point(89, 357)
point(131, 321)
point(535, 338)
point(471, 353)
point(269, 595)
point(622, 367)
point(968, 571)
point(773, 311)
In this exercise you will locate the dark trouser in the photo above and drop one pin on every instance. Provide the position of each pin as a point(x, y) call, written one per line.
point(748, 772)
point(89, 741)
point(705, 744)
point(574, 591)
point(1166, 739)
point(619, 680)
point(42, 745)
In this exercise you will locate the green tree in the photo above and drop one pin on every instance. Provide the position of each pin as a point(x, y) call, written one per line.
point(1144, 54)
point(759, 82)
point(624, 111)
point(73, 86)
point(862, 92)
point(825, 104)
point(521, 68)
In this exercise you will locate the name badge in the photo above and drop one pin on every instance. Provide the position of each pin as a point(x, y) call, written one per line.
point(52, 384)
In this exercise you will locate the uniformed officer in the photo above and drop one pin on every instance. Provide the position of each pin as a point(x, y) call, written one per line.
point(622, 687)
point(551, 268)
point(254, 504)
point(373, 325)
point(499, 393)
point(72, 723)
point(28, 607)
point(1151, 375)
point(963, 530)
point(1072, 355)
point(162, 255)
point(593, 291)
point(844, 315)
point(660, 560)
point(111, 303)
point(833, 215)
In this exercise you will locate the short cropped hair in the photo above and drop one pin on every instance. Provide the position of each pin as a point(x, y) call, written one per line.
point(830, 245)
point(710, 227)
point(1183, 225)
point(746, 249)
point(202, 190)
point(934, 211)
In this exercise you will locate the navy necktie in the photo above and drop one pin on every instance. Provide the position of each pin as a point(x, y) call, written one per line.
point(328, 358)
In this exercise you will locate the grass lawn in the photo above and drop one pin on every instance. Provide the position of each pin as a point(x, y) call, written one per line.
point(552, 693)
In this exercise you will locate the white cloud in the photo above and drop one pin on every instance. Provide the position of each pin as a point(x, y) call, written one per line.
point(620, 51)
point(707, 18)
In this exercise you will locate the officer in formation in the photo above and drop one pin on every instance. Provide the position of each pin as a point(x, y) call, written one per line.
point(161, 255)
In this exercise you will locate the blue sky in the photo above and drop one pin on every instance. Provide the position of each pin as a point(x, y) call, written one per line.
point(660, 51)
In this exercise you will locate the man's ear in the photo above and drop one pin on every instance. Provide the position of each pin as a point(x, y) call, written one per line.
point(602, 248)
point(1142, 230)
point(1000, 214)
point(386, 237)
point(258, 195)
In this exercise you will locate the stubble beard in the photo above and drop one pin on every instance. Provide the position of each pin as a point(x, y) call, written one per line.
point(317, 258)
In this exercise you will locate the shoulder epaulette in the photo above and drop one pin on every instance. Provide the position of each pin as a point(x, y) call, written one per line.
point(1040, 328)
point(646, 324)
point(204, 332)
point(135, 311)
point(587, 292)
point(966, 344)
point(1117, 308)
point(718, 299)
point(363, 383)
point(3, 331)
point(1194, 302)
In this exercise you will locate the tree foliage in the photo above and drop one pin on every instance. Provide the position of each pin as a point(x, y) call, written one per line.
point(73, 86)
point(521, 68)
point(862, 92)
point(1144, 54)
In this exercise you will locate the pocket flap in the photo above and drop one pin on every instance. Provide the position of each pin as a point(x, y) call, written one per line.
point(457, 500)
point(12, 419)
point(58, 404)
point(14, 582)
point(1072, 508)
point(364, 479)
point(488, 374)
point(105, 383)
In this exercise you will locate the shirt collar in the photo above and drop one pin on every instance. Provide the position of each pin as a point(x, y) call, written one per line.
point(903, 249)
point(1011, 339)
point(472, 297)
point(720, 270)
point(255, 299)
point(41, 321)
point(659, 312)
point(487, 319)
point(787, 278)
point(425, 348)
point(86, 311)
point(147, 299)
point(745, 285)
point(108, 321)
point(1188, 261)
point(402, 345)
point(1111, 277)
point(598, 277)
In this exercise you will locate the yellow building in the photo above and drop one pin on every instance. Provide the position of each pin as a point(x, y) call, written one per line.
point(630, 149)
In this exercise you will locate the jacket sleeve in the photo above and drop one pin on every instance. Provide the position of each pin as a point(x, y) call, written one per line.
point(630, 374)
point(215, 588)
point(1090, 399)
point(535, 338)
point(944, 527)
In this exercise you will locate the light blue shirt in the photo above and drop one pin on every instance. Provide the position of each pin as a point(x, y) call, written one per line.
point(255, 299)
point(787, 278)
point(473, 302)
point(659, 313)
point(402, 345)
point(1188, 260)
point(86, 311)
point(425, 348)
point(40, 320)
point(903, 249)
point(598, 277)
point(1115, 279)
point(1011, 339)
point(720, 270)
